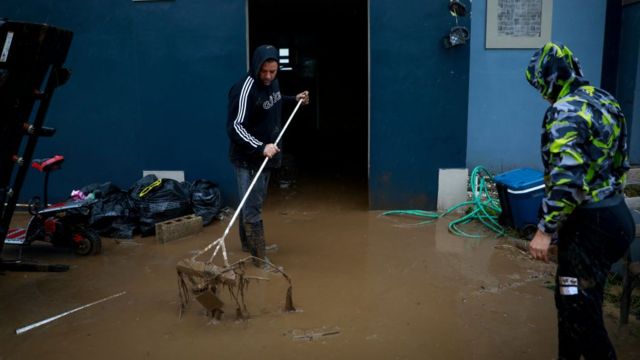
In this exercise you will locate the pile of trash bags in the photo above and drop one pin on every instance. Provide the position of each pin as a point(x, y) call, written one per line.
point(118, 213)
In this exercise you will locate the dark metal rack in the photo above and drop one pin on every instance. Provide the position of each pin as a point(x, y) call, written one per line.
point(31, 68)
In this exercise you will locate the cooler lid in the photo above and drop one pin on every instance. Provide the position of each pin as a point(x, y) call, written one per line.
point(520, 179)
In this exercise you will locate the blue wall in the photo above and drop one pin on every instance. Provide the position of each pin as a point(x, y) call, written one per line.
point(150, 79)
point(148, 89)
point(149, 85)
point(634, 118)
point(629, 75)
point(418, 102)
point(505, 112)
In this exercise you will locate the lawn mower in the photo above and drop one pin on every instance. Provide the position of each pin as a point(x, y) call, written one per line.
point(61, 224)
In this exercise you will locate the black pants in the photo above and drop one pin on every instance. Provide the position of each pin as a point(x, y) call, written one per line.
point(590, 241)
point(251, 211)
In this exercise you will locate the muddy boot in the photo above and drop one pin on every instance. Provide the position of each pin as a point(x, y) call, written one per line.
point(243, 237)
point(257, 238)
point(268, 248)
point(248, 231)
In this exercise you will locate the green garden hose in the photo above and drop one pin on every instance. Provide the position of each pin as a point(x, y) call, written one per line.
point(482, 207)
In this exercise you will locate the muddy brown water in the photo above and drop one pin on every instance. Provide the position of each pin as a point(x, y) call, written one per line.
point(365, 285)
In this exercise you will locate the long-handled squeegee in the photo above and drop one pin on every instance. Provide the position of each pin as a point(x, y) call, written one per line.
point(219, 243)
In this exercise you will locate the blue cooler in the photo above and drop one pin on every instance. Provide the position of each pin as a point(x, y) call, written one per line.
point(520, 192)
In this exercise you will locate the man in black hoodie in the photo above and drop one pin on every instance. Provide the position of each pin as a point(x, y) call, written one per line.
point(253, 125)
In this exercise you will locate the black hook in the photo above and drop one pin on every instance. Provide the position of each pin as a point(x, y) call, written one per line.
point(457, 8)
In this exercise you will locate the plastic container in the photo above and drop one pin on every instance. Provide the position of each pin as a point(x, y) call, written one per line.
point(520, 192)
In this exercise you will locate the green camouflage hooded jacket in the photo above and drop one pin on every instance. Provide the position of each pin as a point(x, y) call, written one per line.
point(584, 136)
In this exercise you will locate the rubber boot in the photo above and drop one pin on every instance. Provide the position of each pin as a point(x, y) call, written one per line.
point(268, 248)
point(257, 237)
point(243, 237)
point(248, 231)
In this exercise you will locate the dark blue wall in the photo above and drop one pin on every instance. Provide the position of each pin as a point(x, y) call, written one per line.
point(628, 90)
point(148, 89)
point(418, 102)
point(150, 79)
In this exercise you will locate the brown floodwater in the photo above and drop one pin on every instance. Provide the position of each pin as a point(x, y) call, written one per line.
point(365, 286)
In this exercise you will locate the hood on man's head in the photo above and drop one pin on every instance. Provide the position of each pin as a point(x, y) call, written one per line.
point(261, 54)
point(552, 69)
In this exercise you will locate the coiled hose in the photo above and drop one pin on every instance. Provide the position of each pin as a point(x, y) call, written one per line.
point(483, 207)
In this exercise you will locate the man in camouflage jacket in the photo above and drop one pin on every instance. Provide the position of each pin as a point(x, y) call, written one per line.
point(585, 158)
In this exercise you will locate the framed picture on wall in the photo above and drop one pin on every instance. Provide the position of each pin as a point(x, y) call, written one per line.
point(518, 24)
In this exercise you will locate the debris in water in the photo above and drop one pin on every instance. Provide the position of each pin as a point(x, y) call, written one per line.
point(314, 334)
point(45, 321)
point(204, 281)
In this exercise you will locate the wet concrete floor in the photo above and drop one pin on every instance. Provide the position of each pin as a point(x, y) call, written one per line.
point(365, 285)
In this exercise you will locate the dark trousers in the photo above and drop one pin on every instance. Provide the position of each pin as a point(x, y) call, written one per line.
point(590, 241)
point(251, 212)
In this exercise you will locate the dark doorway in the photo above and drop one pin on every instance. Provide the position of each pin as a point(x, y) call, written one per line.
point(327, 42)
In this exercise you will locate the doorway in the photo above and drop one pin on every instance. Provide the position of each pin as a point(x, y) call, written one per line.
point(324, 49)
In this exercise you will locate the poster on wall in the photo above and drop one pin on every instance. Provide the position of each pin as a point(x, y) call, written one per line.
point(518, 24)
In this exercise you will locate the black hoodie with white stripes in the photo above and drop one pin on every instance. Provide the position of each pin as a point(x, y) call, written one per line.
point(254, 114)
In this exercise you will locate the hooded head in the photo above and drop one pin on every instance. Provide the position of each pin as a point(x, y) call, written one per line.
point(260, 56)
point(552, 70)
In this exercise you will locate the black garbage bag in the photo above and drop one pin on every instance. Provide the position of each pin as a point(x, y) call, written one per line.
point(205, 200)
point(112, 212)
point(100, 191)
point(157, 200)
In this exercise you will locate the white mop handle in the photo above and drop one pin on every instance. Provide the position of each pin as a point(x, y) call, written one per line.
point(29, 327)
point(246, 195)
point(244, 199)
point(288, 121)
point(220, 241)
